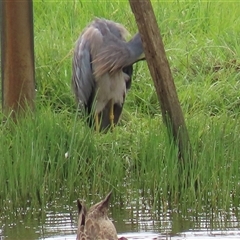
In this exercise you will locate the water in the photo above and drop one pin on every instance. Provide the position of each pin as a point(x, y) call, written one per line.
point(134, 220)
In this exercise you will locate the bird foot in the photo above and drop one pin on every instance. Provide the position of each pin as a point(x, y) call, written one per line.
point(111, 118)
point(97, 127)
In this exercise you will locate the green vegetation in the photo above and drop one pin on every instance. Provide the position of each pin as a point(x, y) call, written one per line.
point(53, 153)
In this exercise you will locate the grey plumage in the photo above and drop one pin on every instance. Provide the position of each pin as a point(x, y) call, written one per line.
point(102, 70)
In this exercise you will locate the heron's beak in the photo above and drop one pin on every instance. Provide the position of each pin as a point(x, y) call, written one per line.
point(140, 58)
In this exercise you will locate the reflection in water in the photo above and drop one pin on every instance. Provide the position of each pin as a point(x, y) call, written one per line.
point(58, 223)
point(133, 219)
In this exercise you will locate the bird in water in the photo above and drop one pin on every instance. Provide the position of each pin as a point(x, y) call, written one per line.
point(94, 224)
point(102, 70)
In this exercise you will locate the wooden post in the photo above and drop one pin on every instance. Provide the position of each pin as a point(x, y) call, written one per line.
point(17, 56)
point(160, 72)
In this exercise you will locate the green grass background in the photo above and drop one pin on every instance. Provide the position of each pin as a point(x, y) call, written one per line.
point(201, 39)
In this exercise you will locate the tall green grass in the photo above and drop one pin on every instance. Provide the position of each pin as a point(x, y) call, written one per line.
point(53, 154)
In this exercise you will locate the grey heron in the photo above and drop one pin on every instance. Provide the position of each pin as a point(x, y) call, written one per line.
point(102, 70)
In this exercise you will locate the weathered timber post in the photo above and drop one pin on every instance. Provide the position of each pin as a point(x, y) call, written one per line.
point(17, 56)
point(161, 73)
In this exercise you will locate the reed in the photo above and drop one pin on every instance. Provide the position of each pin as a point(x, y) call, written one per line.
point(53, 154)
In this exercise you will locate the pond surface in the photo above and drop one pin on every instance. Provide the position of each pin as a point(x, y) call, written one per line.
point(134, 220)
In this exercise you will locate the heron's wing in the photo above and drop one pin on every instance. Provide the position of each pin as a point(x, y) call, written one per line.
point(117, 55)
point(110, 30)
point(83, 80)
point(111, 57)
point(113, 40)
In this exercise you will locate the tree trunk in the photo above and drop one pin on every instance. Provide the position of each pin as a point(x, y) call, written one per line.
point(161, 73)
point(17, 51)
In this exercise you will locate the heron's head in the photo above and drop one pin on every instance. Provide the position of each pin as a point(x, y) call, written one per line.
point(135, 47)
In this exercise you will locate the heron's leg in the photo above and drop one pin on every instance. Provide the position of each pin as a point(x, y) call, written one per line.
point(111, 113)
point(97, 122)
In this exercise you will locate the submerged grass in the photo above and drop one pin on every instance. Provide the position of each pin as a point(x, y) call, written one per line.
point(53, 153)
